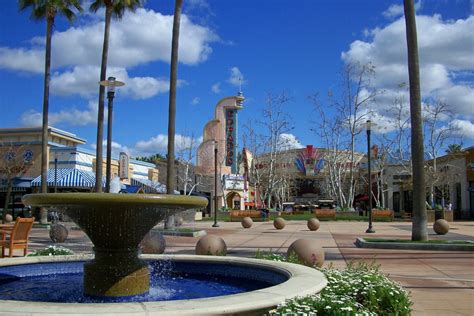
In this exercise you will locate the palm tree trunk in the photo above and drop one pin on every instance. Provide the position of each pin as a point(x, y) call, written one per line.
point(172, 99)
point(100, 112)
point(171, 170)
point(45, 127)
point(419, 230)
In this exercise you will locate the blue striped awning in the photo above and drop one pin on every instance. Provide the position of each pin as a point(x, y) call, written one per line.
point(69, 178)
point(148, 186)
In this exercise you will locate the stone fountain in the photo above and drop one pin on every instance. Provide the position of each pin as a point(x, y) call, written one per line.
point(116, 276)
point(116, 224)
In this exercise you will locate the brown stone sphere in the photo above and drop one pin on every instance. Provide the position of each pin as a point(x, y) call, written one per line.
point(153, 243)
point(441, 227)
point(279, 223)
point(8, 218)
point(58, 233)
point(307, 251)
point(313, 224)
point(247, 222)
point(178, 220)
point(211, 245)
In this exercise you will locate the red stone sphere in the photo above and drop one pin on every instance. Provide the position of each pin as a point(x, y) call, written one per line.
point(211, 245)
point(313, 224)
point(441, 227)
point(308, 251)
point(58, 233)
point(247, 222)
point(279, 223)
point(153, 243)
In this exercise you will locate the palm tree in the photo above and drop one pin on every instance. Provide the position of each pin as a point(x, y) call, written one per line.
point(116, 9)
point(454, 149)
point(40, 10)
point(419, 231)
point(171, 168)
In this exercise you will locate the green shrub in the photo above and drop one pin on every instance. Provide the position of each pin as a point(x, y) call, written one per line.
point(360, 289)
point(52, 251)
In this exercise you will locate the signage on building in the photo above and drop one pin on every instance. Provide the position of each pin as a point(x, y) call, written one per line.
point(233, 182)
point(230, 136)
point(123, 165)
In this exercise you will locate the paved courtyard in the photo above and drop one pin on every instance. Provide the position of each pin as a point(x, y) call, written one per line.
point(440, 282)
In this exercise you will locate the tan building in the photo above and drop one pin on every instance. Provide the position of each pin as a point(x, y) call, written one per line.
point(221, 133)
point(27, 141)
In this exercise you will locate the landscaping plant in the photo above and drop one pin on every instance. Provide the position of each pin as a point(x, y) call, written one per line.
point(52, 251)
point(360, 289)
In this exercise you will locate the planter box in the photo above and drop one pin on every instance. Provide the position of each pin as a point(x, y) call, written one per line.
point(386, 214)
point(325, 213)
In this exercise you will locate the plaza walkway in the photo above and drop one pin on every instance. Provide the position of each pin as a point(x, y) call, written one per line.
point(440, 282)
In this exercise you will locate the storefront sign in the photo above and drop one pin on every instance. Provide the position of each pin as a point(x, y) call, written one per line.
point(123, 165)
point(230, 136)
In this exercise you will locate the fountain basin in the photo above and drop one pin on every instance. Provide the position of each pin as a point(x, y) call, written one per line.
point(116, 224)
point(300, 280)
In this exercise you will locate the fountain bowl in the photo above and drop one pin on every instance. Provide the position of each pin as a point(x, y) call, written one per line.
point(300, 281)
point(116, 224)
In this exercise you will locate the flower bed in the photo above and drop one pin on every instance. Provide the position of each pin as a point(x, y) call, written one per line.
point(360, 289)
point(52, 251)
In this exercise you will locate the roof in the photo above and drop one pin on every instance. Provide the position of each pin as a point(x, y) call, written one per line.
point(68, 178)
point(150, 186)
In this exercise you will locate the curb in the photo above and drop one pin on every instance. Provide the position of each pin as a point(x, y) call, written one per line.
point(362, 243)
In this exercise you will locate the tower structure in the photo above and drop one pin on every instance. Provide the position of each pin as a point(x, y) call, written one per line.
point(223, 129)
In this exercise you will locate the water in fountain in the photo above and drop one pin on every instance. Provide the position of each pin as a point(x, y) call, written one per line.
point(63, 282)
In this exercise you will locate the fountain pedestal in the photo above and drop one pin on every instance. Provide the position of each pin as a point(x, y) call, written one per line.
point(116, 224)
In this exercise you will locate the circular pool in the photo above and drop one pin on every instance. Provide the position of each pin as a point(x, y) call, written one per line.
point(180, 285)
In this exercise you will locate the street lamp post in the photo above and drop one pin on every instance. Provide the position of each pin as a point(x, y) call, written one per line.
point(369, 126)
point(110, 83)
point(215, 185)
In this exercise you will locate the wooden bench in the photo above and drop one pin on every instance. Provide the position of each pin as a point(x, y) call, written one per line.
point(239, 214)
point(321, 213)
point(382, 214)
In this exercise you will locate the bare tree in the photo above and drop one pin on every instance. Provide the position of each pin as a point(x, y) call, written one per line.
point(267, 147)
point(15, 161)
point(340, 133)
point(437, 136)
point(185, 156)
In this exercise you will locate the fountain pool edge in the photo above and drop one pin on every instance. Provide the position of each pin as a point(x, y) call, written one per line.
point(302, 281)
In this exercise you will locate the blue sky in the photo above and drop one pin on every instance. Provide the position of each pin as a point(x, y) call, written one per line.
point(273, 46)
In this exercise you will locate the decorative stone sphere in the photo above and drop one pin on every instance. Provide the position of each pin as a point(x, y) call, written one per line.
point(8, 218)
point(308, 252)
point(313, 224)
point(279, 223)
point(178, 221)
point(247, 222)
point(211, 245)
point(153, 243)
point(58, 233)
point(441, 226)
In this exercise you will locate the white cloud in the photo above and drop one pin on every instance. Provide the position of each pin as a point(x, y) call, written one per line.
point(288, 141)
point(216, 88)
point(195, 101)
point(117, 148)
point(20, 59)
point(159, 144)
point(236, 77)
point(445, 49)
point(74, 117)
point(395, 10)
point(83, 81)
point(137, 39)
point(463, 128)
point(31, 118)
